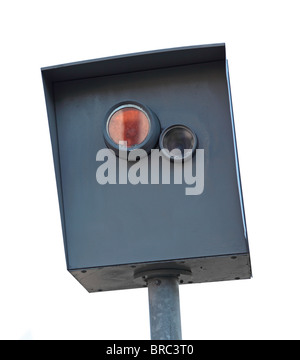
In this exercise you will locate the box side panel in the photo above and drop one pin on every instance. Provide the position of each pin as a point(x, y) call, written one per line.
point(50, 105)
point(236, 156)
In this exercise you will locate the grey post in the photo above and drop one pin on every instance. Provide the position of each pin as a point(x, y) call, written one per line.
point(164, 308)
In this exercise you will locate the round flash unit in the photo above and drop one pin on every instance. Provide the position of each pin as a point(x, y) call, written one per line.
point(178, 142)
point(130, 126)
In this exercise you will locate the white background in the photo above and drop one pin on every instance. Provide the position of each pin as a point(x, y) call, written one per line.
point(39, 299)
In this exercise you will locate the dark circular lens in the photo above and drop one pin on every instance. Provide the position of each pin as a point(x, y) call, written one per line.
point(178, 142)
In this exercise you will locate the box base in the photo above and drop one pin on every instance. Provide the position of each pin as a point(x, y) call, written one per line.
point(196, 270)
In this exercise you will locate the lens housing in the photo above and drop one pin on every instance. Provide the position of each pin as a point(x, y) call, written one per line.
point(132, 123)
point(178, 142)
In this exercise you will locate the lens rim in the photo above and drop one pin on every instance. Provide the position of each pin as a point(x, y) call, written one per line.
point(153, 134)
point(166, 152)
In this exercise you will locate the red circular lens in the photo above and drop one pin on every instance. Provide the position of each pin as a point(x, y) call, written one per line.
point(128, 124)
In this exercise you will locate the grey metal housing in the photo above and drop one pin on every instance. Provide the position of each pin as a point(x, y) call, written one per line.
point(113, 231)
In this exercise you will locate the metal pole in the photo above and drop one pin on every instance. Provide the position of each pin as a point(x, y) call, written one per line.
point(164, 308)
